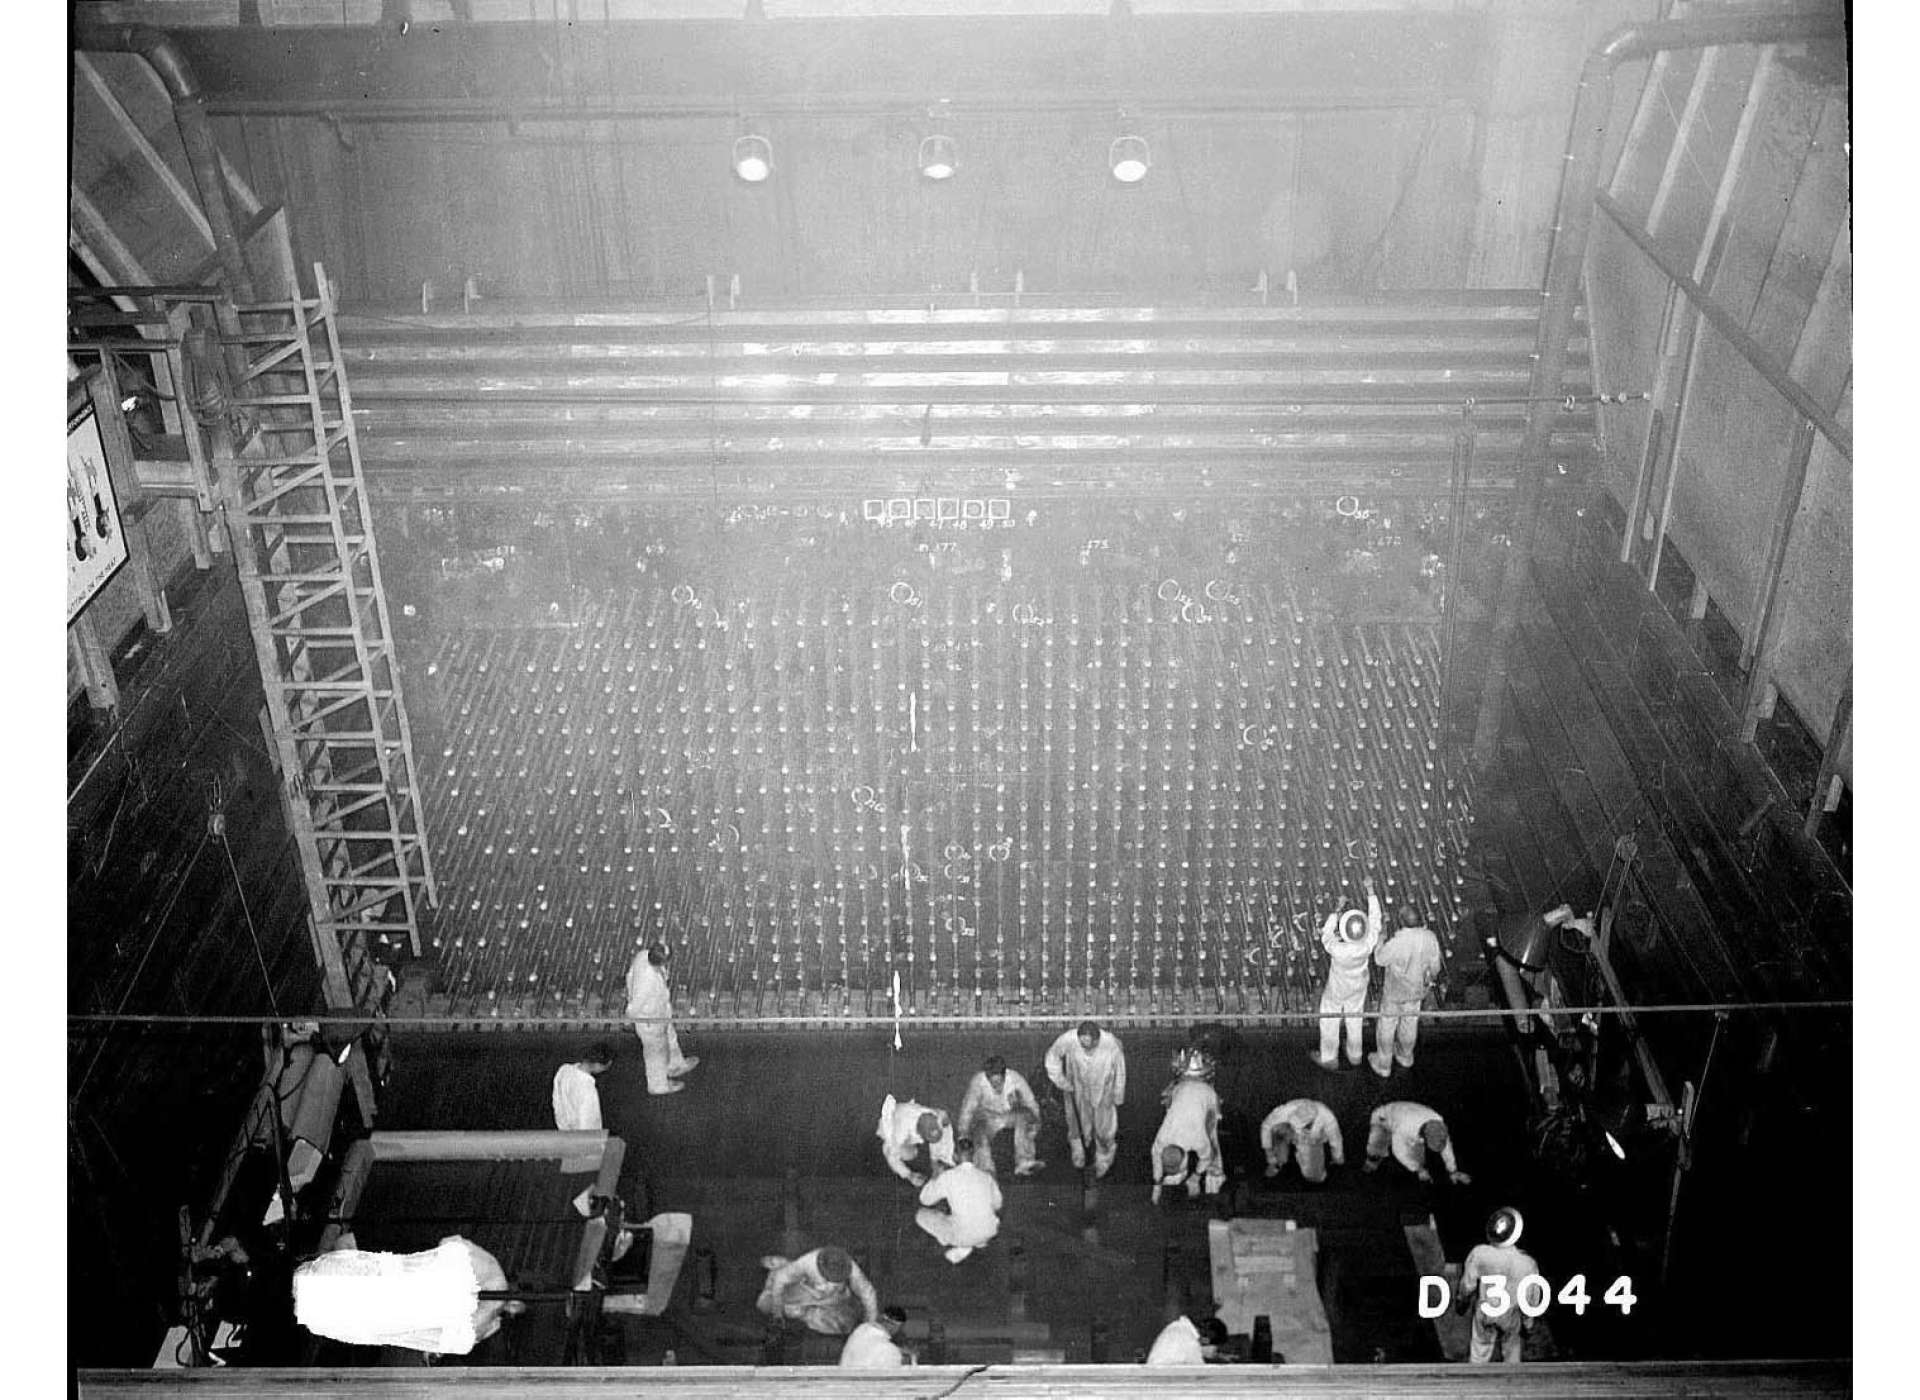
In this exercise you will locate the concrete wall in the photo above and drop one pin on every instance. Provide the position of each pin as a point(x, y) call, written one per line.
point(1736, 166)
point(1415, 145)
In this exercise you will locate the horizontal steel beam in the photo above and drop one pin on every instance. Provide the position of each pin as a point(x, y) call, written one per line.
point(829, 105)
point(442, 488)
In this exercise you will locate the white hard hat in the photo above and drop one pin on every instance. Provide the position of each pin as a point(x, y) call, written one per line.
point(1504, 1226)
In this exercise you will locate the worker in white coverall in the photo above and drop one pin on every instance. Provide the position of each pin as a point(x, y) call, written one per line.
point(973, 1200)
point(1349, 939)
point(1410, 1131)
point(822, 1289)
point(650, 1004)
point(1187, 1147)
point(1490, 1285)
point(1411, 958)
point(904, 1128)
point(1089, 1066)
point(576, 1097)
point(1305, 1127)
point(427, 1301)
point(999, 1098)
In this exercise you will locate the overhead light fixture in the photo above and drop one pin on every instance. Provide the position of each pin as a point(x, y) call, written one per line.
point(939, 159)
point(1129, 160)
point(753, 158)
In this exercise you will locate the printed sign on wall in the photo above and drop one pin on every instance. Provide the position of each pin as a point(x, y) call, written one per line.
point(96, 548)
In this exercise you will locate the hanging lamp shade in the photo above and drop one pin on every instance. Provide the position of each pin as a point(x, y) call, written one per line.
point(753, 158)
point(1129, 159)
point(939, 159)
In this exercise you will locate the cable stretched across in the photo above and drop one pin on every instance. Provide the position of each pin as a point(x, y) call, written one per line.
point(253, 934)
point(118, 1014)
point(1165, 1020)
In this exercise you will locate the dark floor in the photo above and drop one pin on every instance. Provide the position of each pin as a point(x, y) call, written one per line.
point(762, 1104)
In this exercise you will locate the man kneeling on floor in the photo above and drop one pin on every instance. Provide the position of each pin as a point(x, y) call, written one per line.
point(973, 1202)
point(822, 1289)
point(1410, 1131)
point(906, 1127)
point(998, 1098)
point(1187, 1147)
point(1308, 1129)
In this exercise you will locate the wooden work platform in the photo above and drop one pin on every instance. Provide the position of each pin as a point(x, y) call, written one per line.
point(1598, 1381)
point(1269, 1268)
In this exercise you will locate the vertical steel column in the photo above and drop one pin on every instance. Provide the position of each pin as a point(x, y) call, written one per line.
point(1756, 654)
point(1837, 735)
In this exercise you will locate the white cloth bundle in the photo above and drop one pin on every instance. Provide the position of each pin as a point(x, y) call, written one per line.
point(426, 1302)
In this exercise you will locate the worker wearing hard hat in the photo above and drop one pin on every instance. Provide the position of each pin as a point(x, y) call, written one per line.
point(1349, 939)
point(1490, 1283)
point(1186, 1150)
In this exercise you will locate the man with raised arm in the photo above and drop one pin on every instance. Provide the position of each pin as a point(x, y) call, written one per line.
point(1349, 939)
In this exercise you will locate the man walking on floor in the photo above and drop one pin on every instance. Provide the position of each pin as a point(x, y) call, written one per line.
point(650, 1004)
point(1089, 1066)
point(1490, 1286)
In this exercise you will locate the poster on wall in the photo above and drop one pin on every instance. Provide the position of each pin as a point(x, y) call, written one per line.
point(96, 547)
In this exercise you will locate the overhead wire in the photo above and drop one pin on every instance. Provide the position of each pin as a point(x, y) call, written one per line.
point(160, 925)
point(1372, 253)
point(1020, 1020)
point(253, 934)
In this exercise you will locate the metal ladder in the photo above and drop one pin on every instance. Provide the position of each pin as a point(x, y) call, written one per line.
point(296, 509)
